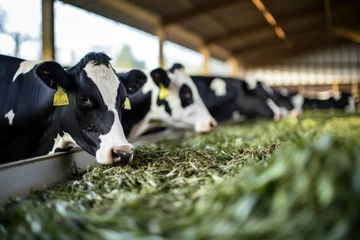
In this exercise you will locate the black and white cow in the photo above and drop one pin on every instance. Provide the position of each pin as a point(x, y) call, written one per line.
point(45, 109)
point(330, 100)
point(290, 103)
point(230, 98)
point(169, 99)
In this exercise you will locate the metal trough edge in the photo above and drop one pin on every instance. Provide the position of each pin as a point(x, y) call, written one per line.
point(18, 178)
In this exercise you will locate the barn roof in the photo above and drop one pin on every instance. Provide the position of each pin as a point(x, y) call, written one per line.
point(252, 31)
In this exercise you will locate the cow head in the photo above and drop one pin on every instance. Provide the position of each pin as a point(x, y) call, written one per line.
point(292, 102)
point(260, 99)
point(96, 100)
point(183, 106)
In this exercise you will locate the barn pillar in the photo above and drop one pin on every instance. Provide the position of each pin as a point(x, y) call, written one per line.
point(162, 35)
point(355, 89)
point(234, 67)
point(335, 85)
point(301, 88)
point(205, 51)
point(48, 46)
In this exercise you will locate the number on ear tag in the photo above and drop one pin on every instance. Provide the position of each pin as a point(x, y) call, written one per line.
point(127, 105)
point(163, 93)
point(60, 97)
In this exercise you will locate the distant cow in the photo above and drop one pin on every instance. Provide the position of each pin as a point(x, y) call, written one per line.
point(330, 100)
point(46, 109)
point(290, 103)
point(228, 98)
point(169, 99)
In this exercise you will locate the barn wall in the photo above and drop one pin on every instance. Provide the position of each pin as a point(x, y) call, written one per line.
point(320, 69)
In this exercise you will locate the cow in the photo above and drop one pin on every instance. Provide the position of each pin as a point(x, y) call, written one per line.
point(230, 98)
point(45, 108)
point(168, 100)
point(290, 103)
point(334, 100)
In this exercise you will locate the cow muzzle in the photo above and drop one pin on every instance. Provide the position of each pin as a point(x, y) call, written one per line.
point(206, 126)
point(122, 154)
point(296, 113)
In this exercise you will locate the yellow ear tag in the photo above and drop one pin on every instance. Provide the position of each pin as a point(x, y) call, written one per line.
point(163, 93)
point(127, 105)
point(60, 97)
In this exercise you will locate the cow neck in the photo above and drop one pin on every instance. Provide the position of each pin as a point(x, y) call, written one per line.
point(55, 132)
point(140, 107)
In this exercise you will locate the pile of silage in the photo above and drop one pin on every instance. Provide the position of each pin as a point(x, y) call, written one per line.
point(292, 179)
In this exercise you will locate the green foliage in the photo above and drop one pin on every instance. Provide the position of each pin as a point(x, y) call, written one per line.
point(125, 59)
point(293, 179)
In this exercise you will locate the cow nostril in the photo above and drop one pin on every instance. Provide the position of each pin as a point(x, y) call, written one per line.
point(212, 124)
point(121, 156)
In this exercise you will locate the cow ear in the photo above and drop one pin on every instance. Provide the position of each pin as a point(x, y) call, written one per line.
point(52, 74)
point(133, 80)
point(159, 76)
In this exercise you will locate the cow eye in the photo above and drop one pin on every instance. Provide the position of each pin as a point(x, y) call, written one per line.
point(85, 100)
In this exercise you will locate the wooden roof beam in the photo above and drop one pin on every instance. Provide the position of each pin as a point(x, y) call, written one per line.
point(299, 34)
point(346, 33)
point(286, 17)
point(275, 58)
point(328, 20)
point(196, 11)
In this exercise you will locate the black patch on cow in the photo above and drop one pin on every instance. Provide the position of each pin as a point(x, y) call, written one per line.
point(142, 103)
point(57, 150)
point(282, 100)
point(136, 77)
point(165, 103)
point(186, 96)
point(176, 66)
point(154, 130)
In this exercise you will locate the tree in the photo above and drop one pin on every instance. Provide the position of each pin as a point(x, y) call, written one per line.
point(2, 20)
point(18, 37)
point(125, 59)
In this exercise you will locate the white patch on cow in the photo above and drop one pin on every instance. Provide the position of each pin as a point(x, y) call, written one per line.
point(236, 116)
point(267, 89)
point(284, 92)
point(25, 66)
point(107, 82)
point(251, 82)
point(284, 112)
point(351, 106)
point(114, 138)
point(297, 101)
point(62, 142)
point(275, 108)
point(218, 86)
point(10, 116)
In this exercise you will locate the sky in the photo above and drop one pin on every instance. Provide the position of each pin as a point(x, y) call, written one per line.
point(78, 31)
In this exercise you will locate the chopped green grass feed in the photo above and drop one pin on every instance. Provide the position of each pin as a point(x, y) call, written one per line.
point(292, 179)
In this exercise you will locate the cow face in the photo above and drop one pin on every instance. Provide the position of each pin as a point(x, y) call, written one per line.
point(92, 119)
point(184, 98)
point(261, 102)
point(292, 102)
point(181, 106)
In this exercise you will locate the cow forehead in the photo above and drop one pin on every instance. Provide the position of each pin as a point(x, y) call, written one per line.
point(106, 81)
